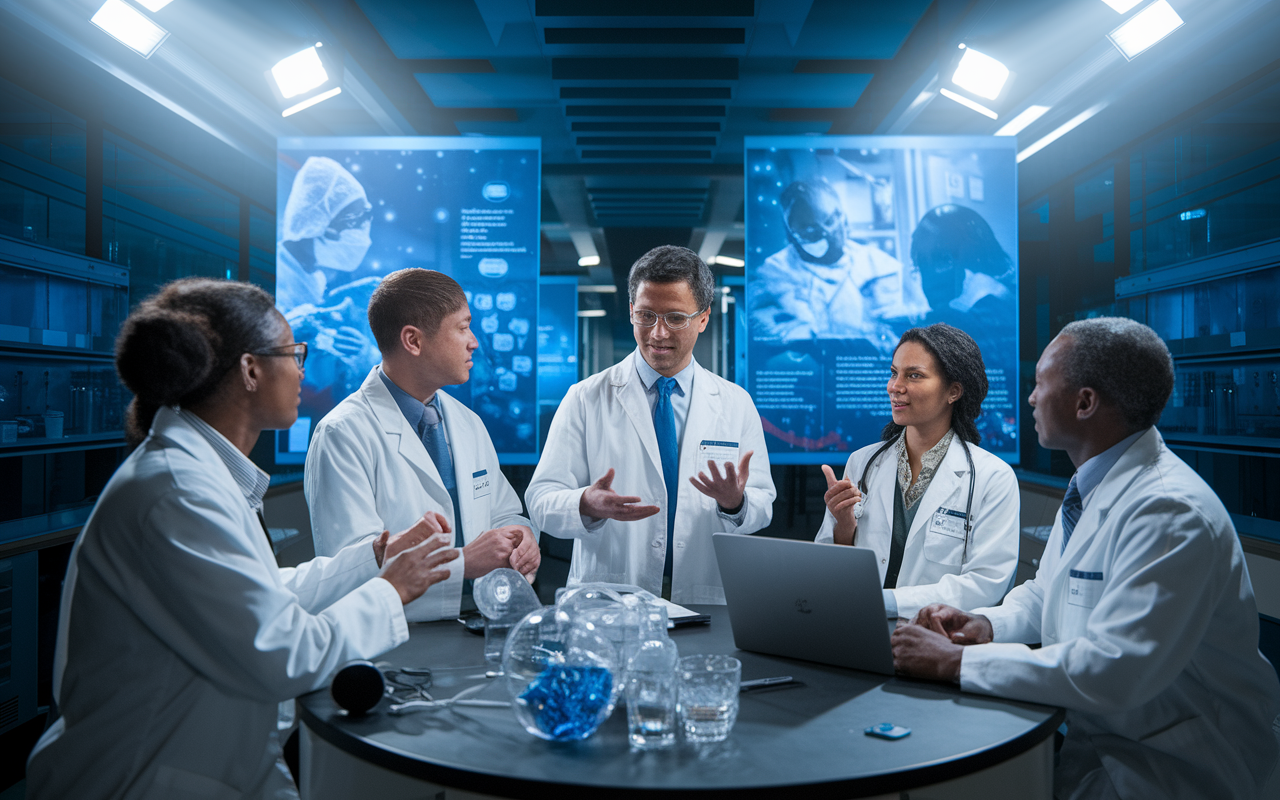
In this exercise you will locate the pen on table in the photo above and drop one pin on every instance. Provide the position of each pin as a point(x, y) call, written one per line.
point(760, 683)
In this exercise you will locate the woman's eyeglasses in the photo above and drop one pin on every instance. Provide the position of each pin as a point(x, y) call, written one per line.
point(297, 351)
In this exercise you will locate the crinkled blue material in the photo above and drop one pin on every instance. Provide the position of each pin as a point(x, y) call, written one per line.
point(566, 701)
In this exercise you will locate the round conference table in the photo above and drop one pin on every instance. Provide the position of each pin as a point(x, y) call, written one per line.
point(804, 737)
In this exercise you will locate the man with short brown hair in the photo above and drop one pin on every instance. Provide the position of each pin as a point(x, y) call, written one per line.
point(399, 443)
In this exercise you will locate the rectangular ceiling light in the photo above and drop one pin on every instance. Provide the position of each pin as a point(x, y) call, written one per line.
point(299, 73)
point(1019, 123)
point(154, 5)
point(311, 101)
point(1121, 6)
point(1145, 28)
point(130, 27)
point(728, 261)
point(589, 261)
point(980, 73)
point(964, 101)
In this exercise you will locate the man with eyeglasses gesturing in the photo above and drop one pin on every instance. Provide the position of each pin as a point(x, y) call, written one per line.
point(646, 460)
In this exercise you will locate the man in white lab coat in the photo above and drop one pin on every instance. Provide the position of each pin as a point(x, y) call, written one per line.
point(400, 443)
point(1142, 601)
point(647, 459)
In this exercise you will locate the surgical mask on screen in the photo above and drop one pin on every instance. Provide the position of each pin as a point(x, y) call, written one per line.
point(816, 249)
point(346, 252)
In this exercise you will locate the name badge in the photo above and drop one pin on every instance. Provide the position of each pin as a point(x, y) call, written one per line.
point(1084, 588)
point(719, 452)
point(947, 522)
point(481, 484)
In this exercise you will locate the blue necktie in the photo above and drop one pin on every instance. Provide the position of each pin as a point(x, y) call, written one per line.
point(1070, 512)
point(664, 425)
point(438, 448)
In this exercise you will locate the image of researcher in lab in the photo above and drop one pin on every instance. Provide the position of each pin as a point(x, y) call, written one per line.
point(1142, 603)
point(824, 285)
point(966, 275)
point(940, 512)
point(644, 461)
point(400, 443)
point(179, 635)
point(324, 235)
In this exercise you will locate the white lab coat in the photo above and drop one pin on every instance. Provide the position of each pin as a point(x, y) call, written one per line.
point(796, 300)
point(604, 422)
point(367, 471)
point(935, 567)
point(179, 635)
point(1150, 641)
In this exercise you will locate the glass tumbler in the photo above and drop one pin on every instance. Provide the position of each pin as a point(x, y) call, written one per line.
point(709, 687)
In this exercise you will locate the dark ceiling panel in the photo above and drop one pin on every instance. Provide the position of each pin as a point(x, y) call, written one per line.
point(646, 69)
point(651, 141)
point(483, 114)
point(644, 111)
point(645, 93)
point(604, 190)
point(646, 127)
point(646, 35)
point(840, 66)
point(645, 8)
point(646, 154)
point(804, 114)
point(447, 65)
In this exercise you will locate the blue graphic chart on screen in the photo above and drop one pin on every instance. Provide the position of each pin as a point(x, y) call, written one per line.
point(850, 242)
point(351, 210)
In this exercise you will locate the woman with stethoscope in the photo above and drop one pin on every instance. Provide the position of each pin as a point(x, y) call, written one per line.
point(940, 512)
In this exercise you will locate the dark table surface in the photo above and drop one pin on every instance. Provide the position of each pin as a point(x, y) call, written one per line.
point(807, 736)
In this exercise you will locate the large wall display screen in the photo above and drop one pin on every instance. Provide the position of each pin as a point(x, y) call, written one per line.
point(351, 210)
point(850, 242)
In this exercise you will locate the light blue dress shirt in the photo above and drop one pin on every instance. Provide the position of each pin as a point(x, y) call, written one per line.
point(680, 406)
point(1091, 472)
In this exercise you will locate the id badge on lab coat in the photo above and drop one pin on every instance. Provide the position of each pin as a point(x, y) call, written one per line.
point(481, 484)
point(947, 522)
point(719, 452)
point(1084, 588)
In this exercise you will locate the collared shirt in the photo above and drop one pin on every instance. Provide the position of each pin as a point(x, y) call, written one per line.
point(1091, 472)
point(413, 408)
point(680, 406)
point(929, 462)
point(679, 397)
point(251, 480)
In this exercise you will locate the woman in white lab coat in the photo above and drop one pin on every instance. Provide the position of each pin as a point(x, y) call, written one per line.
point(952, 505)
point(178, 634)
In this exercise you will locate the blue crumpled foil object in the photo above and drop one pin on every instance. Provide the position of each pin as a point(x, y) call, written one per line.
point(567, 700)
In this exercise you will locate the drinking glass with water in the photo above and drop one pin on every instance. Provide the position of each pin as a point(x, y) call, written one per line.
point(709, 687)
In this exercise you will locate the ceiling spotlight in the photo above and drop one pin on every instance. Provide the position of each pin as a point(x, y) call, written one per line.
point(964, 101)
point(589, 261)
point(130, 27)
point(154, 5)
point(1019, 123)
point(1122, 6)
point(1145, 28)
point(592, 312)
point(980, 73)
point(299, 73)
point(728, 261)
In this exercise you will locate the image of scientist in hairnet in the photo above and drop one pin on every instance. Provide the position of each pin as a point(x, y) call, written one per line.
point(824, 285)
point(325, 235)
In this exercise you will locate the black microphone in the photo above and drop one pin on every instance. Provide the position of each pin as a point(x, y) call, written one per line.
point(358, 687)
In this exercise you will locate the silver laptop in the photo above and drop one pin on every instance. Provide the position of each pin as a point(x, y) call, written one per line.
point(817, 602)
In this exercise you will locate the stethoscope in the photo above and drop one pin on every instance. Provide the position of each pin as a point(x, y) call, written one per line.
point(859, 508)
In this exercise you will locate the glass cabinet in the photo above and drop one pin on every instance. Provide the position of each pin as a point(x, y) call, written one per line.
point(62, 407)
